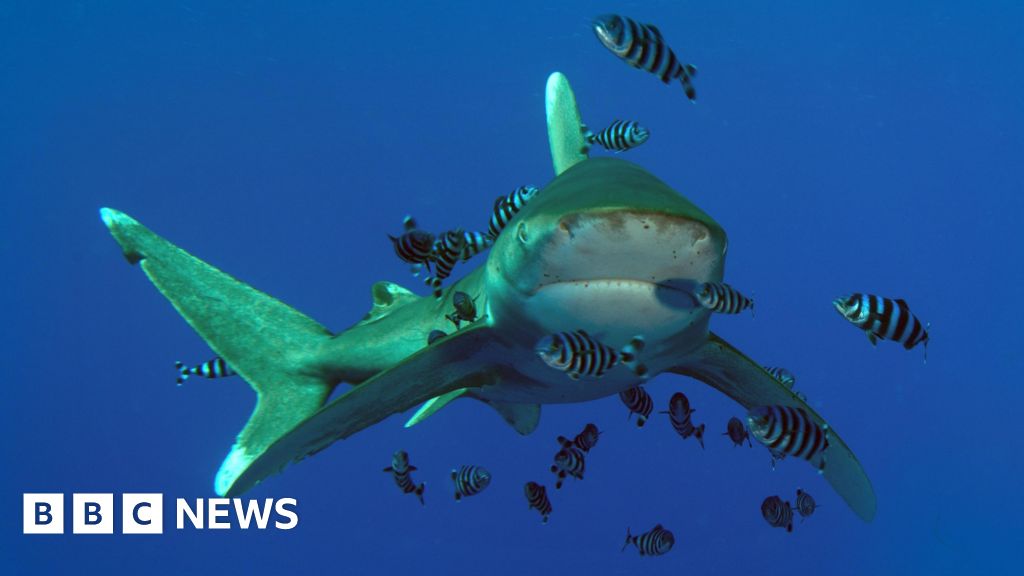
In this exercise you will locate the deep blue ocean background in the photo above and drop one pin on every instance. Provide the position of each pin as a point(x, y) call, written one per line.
point(868, 146)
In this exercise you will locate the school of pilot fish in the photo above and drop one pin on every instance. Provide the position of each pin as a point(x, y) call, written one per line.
point(783, 430)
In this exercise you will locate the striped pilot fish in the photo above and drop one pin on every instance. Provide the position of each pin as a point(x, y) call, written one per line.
point(446, 252)
point(655, 542)
point(579, 354)
point(791, 431)
point(642, 46)
point(883, 318)
point(679, 412)
point(465, 309)
point(585, 440)
point(805, 503)
point(470, 480)
point(569, 461)
point(505, 207)
point(402, 471)
point(639, 402)
point(414, 246)
point(537, 496)
point(737, 432)
point(474, 243)
point(777, 513)
point(782, 375)
point(618, 137)
point(722, 298)
point(215, 368)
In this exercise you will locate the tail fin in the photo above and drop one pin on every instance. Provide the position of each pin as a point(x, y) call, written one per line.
point(183, 372)
point(629, 538)
point(264, 340)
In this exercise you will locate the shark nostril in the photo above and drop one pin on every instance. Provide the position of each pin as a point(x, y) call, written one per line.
point(521, 233)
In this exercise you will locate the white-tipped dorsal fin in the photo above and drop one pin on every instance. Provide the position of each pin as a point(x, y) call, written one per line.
point(566, 133)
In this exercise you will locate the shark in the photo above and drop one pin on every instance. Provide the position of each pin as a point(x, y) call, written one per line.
point(605, 247)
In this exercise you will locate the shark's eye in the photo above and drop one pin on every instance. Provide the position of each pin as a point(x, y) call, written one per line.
point(521, 233)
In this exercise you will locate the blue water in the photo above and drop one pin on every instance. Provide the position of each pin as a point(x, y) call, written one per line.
point(864, 147)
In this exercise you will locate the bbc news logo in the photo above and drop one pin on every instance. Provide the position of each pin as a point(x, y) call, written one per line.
point(144, 513)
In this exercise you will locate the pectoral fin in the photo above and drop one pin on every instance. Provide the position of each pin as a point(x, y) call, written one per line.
point(430, 407)
point(473, 358)
point(522, 417)
point(729, 370)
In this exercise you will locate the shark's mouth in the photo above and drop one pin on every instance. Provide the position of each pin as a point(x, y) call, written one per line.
point(628, 250)
point(621, 273)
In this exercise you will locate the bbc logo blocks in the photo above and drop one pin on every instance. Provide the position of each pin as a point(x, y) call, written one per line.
point(93, 513)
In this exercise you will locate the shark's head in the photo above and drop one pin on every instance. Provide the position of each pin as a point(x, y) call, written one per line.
point(608, 248)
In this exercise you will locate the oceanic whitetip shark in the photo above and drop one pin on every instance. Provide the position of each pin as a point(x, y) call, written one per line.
point(605, 247)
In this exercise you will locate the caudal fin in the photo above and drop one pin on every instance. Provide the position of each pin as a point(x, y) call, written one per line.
point(265, 341)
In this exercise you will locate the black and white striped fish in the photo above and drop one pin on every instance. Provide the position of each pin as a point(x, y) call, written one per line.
point(215, 368)
point(446, 252)
point(737, 432)
point(414, 246)
point(883, 318)
point(642, 46)
point(722, 298)
point(805, 503)
point(679, 412)
point(569, 461)
point(434, 336)
point(470, 480)
point(585, 440)
point(639, 402)
point(579, 354)
point(782, 375)
point(465, 309)
point(618, 137)
point(655, 542)
point(474, 243)
point(791, 431)
point(777, 513)
point(537, 496)
point(402, 471)
point(505, 207)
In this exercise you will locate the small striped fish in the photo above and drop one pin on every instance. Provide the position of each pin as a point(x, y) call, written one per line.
point(585, 440)
point(722, 298)
point(679, 412)
point(446, 252)
point(883, 318)
point(782, 375)
point(569, 461)
point(805, 503)
point(470, 480)
point(537, 497)
point(642, 46)
point(474, 243)
point(505, 207)
point(402, 471)
point(737, 432)
point(639, 402)
point(618, 137)
point(791, 431)
point(215, 368)
point(777, 513)
point(434, 336)
point(465, 309)
point(414, 246)
point(655, 542)
point(578, 354)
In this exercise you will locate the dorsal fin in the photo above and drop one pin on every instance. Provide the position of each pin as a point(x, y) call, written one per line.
point(387, 297)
